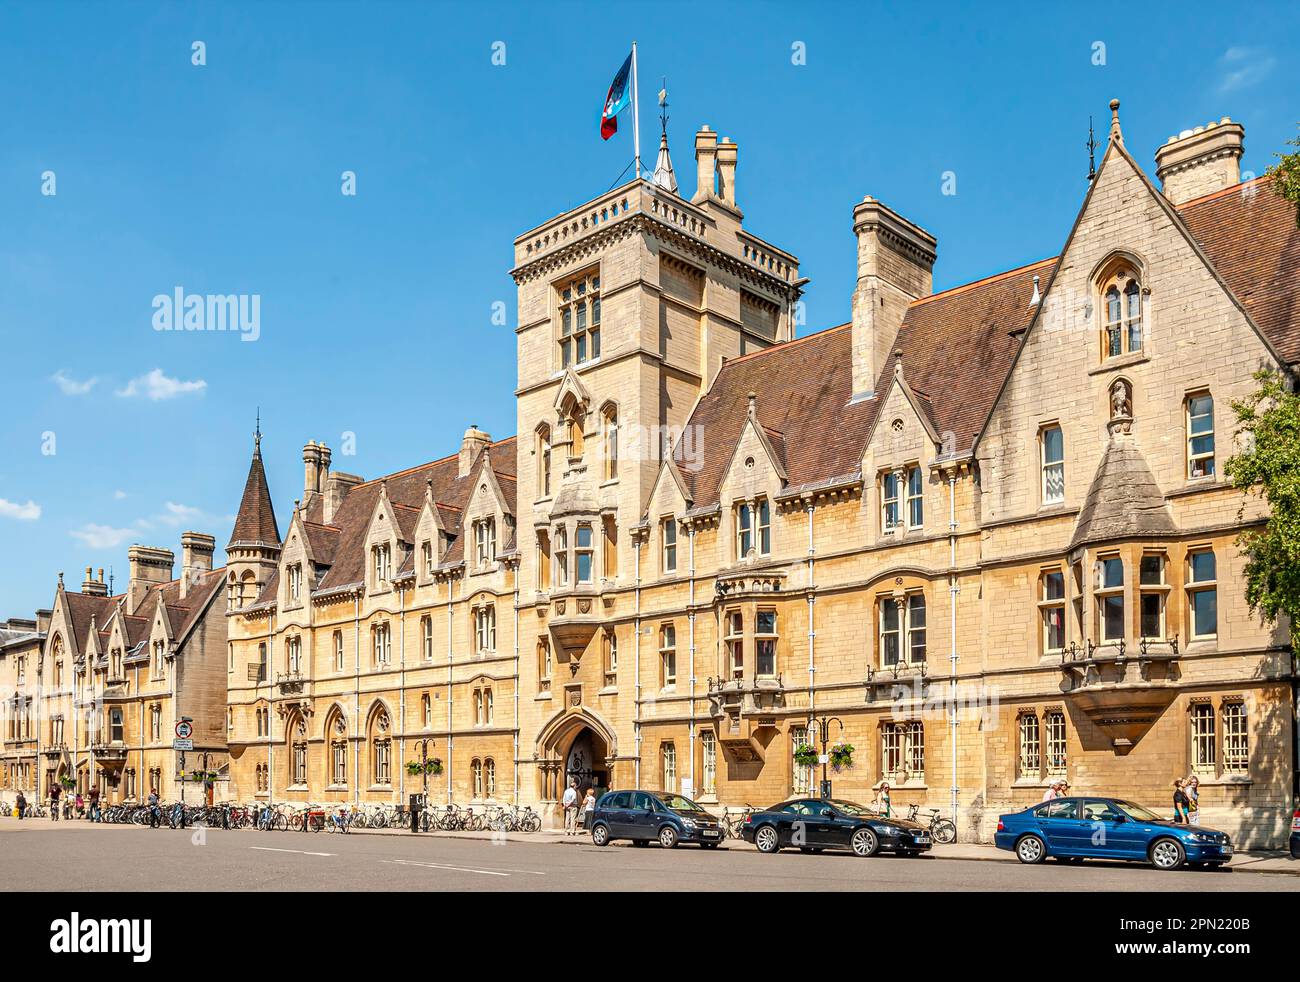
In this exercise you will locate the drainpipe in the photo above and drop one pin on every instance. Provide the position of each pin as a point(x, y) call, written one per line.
point(516, 770)
point(451, 585)
point(812, 634)
point(953, 590)
point(270, 693)
point(356, 696)
point(401, 699)
point(690, 621)
point(636, 669)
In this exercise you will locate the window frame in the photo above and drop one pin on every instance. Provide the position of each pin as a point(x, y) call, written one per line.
point(1048, 467)
point(578, 319)
point(1194, 588)
point(668, 656)
point(1195, 457)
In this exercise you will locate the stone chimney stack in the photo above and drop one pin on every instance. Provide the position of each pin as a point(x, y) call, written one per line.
point(92, 587)
point(337, 487)
point(706, 162)
point(196, 557)
point(150, 566)
point(312, 484)
point(727, 171)
point(474, 443)
point(1201, 161)
point(895, 264)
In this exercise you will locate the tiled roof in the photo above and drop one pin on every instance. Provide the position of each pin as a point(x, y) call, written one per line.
point(1250, 234)
point(255, 520)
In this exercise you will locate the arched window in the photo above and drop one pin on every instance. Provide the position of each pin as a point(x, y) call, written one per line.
point(611, 443)
point(476, 777)
point(426, 637)
point(1120, 288)
point(490, 777)
point(543, 462)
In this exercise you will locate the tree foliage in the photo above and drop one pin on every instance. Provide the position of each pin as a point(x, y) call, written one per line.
point(1285, 175)
point(1268, 464)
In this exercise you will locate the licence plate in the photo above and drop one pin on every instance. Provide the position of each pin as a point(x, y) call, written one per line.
point(710, 833)
point(1226, 850)
point(922, 840)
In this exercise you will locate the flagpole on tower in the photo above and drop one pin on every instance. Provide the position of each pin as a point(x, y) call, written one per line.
point(636, 116)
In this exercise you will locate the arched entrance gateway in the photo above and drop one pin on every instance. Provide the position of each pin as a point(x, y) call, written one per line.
point(577, 745)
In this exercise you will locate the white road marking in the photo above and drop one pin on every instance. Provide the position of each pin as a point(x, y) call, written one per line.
point(301, 852)
point(461, 869)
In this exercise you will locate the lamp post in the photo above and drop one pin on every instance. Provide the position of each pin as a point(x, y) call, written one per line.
point(823, 724)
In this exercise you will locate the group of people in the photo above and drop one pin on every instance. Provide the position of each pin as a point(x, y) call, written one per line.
point(573, 823)
point(65, 806)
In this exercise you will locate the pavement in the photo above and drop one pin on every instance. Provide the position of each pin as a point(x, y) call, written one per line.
point(41, 855)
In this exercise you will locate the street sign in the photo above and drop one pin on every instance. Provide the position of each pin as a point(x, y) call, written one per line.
point(184, 729)
point(179, 744)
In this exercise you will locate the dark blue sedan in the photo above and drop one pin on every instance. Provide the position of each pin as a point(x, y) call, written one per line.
point(652, 816)
point(1074, 829)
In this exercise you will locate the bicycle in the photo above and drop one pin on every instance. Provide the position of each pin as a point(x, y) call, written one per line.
point(734, 823)
point(943, 830)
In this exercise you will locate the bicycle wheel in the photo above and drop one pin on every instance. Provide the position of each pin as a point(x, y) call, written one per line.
point(945, 831)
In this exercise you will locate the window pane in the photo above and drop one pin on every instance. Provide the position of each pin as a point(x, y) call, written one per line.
point(1151, 604)
point(1113, 614)
point(1205, 612)
point(766, 621)
point(1054, 623)
point(1152, 570)
point(1202, 567)
point(1054, 586)
point(1112, 572)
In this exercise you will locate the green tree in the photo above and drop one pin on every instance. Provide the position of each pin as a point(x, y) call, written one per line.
point(1285, 175)
point(1268, 464)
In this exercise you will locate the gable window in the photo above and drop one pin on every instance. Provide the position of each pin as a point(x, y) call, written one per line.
point(902, 630)
point(667, 656)
point(1052, 452)
point(915, 498)
point(765, 644)
point(668, 535)
point(735, 641)
point(580, 319)
point(382, 557)
point(383, 645)
point(889, 495)
point(583, 552)
point(744, 530)
point(611, 658)
point(1202, 594)
point(1110, 598)
point(485, 628)
point(295, 581)
point(1051, 604)
point(544, 462)
point(426, 554)
point(1151, 600)
point(1200, 435)
point(543, 665)
point(485, 541)
point(426, 637)
point(1122, 302)
point(611, 444)
point(338, 651)
point(753, 528)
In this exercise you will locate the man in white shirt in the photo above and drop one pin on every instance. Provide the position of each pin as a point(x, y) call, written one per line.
point(570, 803)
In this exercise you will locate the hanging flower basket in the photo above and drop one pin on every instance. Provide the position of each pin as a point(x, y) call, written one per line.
point(841, 756)
point(431, 766)
point(200, 777)
point(805, 755)
point(67, 782)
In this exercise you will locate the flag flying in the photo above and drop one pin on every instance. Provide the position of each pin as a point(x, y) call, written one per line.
point(618, 99)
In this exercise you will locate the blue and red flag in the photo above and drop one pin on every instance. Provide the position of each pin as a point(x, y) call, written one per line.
point(618, 99)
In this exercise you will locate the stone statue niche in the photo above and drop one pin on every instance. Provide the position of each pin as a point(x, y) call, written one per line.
point(1121, 407)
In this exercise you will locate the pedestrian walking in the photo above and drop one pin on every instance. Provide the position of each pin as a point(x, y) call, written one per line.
point(155, 813)
point(882, 799)
point(570, 803)
point(79, 806)
point(1053, 791)
point(1192, 788)
point(588, 808)
point(1181, 803)
point(55, 791)
point(21, 804)
point(94, 804)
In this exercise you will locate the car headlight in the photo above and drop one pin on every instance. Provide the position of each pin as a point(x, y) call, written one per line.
point(1203, 837)
point(885, 829)
point(688, 822)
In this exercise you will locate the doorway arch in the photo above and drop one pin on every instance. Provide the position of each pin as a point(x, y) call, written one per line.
point(576, 745)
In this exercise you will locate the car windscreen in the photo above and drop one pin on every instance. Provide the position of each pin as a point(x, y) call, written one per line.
point(1137, 812)
point(679, 804)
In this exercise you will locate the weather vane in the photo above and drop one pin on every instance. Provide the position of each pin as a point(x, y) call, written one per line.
point(663, 106)
point(1092, 151)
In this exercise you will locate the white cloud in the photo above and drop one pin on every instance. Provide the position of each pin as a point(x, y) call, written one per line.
point(119, 495)
point(70, 386)
point(1243, 67)
point(24, 513)
point(179, 514)
point(102, 536)
point(156, 386)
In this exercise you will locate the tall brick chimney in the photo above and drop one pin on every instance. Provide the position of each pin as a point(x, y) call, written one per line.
point(895, 264)
point(706, 164)
point(92, 587)
point(727, 152)
point(1201, 161)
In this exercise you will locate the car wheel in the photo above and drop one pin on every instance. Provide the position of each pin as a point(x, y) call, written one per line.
point(1167, 854)
point(600, 834)
point(864, 842)
point(668, 837)
point(1031, 850)
point(766, 839)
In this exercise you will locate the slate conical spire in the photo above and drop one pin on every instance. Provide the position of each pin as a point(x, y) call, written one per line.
point(255, 523)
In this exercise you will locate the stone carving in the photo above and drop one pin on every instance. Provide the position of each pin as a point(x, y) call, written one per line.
point(1121, 407)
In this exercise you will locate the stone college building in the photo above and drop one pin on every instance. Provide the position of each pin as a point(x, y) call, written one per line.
point(985, 532)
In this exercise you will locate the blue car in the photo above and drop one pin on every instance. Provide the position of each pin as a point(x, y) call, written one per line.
point(1074, 829)
point(653, 816)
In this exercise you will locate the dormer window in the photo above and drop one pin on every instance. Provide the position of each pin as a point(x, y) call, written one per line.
point(753, 528)
point(485, 541)
point(1051, 448)
point(579, 309)
point(668, 533)
point(383, 564)
point(295, 581)
point(426, 554)
point(1120, 289)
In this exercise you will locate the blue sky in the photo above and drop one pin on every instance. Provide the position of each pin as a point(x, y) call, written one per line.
point(376, 309)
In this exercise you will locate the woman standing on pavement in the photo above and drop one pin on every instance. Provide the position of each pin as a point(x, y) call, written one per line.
point(882, 799)
point(1192, 788)
point(588, 808)
point(1181, 803)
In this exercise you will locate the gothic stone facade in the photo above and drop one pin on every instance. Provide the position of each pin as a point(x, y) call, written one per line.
point(986, 530)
